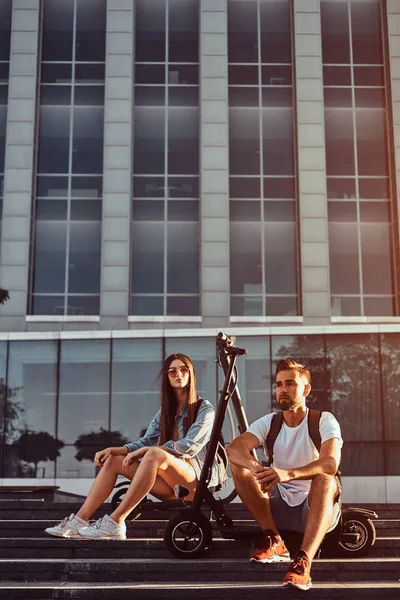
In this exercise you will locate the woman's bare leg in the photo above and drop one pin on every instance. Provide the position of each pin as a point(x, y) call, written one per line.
point(158, 472)
point(104, 484)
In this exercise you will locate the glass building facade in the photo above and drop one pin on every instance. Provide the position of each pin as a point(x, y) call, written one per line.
point(172, 168)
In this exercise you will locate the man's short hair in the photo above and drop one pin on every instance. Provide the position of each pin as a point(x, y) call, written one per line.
point(287, 364)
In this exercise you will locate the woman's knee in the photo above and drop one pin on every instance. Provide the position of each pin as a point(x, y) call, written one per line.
point(113, 463)
point(156, 455)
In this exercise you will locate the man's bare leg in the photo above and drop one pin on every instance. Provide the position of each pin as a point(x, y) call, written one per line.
point(321, 498)
point(251, 495)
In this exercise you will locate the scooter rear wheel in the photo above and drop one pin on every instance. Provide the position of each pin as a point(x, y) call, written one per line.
point(366, 537)
point(117, 499)
point(188, 534)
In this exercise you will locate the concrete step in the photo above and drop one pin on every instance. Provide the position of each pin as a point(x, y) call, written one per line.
point(45, 547)
point(201, 570)
point(224, 590)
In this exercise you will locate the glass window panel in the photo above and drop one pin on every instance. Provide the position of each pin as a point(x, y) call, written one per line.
point(371, 141)
point(54, 129)
point(148, 210)
point(276, 74)
point(374, 212)
point(243, 96)
point(90, 36)
point(183, 187)
point(360, 459)
point(367, 97)
point(374, 188)
point(246, 306)
point(354, 385)
point(183, 210)
point(244, 134)
point(183, 96)
point(84, 388)
point(55, 94)
point(279, 211)
point(87, 149)
point(390, 356)
point(335, 32)
point(183, 258)
point(136, 392)
point(275, 96)
point(346, 307)
point(56, 73)
point(86, 187)
point(57, 30)
point(183, 140)
point(243, 74)
point(342, 211)
point(275, 32)
point(334, 97)
point(149, 74)
point(245, 211)
point(366, 32)
point(279, 243)
point(183, 17)
point(183, 306)
point(369, 75)
point(379, 307)
point(3, 121)
point(149, 96)
point(276, 306)
point(148, 187)
point(89, 95)
point(147, 305)
point(339, 141)
point(337, 76)
point(50, 256)
point(150, 31)
point(3, 95)
point(51, 210)
point(84, 258)
point(56, 187)
point(83, 305)
point(245, 251)
point(86, 210)
point(183, 74)
point(278, 156)
point(341, 188)
point(279, 187)
point(242, 31)
point(5, 29)
point(244, 187)
point(4, 72)
point(89, 73)
point(392, 452)
point(343, 258)
point(376, 258)
point(48, 305)
point(148, 258)
point(149, 140)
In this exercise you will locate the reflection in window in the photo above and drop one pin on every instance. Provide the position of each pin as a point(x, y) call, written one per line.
point(66, 257)
point(261, 159)
point(165, 255)
point(5, 36)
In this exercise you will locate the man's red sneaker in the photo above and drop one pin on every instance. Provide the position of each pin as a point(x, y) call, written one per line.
point(298, 575)
point(271, 549)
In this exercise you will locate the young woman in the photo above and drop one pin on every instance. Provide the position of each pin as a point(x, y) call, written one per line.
point(171, 452)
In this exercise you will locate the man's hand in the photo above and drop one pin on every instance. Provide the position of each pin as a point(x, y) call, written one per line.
point(132, 456)
point(267, 477)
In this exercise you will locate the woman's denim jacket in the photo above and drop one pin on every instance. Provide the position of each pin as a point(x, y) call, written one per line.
point(193, 445)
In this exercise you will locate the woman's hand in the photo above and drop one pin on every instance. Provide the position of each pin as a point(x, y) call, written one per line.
point(132, 456)
point(101, 456)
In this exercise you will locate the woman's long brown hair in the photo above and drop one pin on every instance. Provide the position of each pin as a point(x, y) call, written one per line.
point(168, 399)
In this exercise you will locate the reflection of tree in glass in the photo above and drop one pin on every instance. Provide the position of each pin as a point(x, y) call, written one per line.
point(4, 295)
point(88, 444)
point(10, 408)
point(36, 447)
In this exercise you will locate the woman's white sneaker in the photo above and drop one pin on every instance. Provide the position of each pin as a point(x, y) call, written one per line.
point(68, 527)
point(104, 529)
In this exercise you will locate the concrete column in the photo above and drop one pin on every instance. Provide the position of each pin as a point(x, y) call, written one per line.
point(214, 163)
point(312, 163)
point(393, 15)
point(18, 176)
point(117, 180)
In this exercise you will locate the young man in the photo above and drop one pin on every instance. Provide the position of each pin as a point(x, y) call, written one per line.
point(299, 490)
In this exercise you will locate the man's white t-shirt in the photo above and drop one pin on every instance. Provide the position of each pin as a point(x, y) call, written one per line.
point(294, 448)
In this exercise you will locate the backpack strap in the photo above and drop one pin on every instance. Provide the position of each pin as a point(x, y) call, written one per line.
point(314, 417)
point(273, 433)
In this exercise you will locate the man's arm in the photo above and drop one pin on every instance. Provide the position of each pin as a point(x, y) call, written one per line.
point(328, 463)
point(239, 452)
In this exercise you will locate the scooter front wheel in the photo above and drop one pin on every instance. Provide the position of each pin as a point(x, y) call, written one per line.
point(366, 537)
point(188, 534)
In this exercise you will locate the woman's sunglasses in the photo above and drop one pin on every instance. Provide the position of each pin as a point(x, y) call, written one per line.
point(174, 370)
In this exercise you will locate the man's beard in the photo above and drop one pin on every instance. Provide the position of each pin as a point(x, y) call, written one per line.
point(287, 404)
